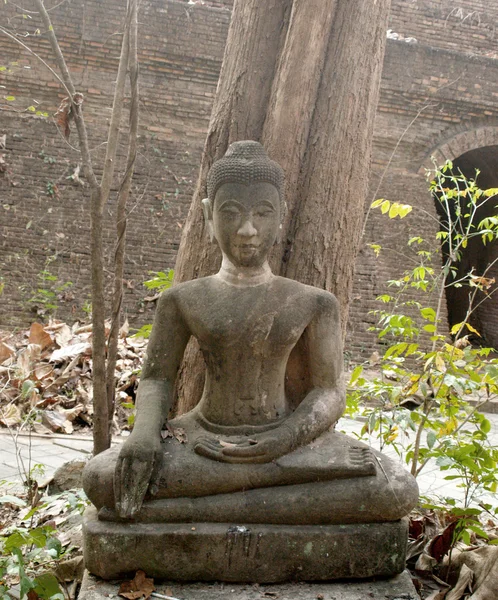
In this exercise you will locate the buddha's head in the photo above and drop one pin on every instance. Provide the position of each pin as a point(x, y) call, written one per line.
point(245, 203)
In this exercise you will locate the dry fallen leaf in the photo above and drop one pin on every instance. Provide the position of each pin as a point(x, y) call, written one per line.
point(482, 562)
point(26, 359)
point(63, 336)
point(437, 595)
point(179, 434)
point(140, 586)
point(10, 415)
point(70, 351)
point(56, 421)
point(124, 329)
point(43, 370)
point(442, 543)
point(463, 584)
point(5, 352)
point(38, 335)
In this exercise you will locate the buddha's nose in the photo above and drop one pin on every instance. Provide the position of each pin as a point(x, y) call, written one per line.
point(247, 229)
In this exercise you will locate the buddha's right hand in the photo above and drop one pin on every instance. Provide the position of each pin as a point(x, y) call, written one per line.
point(137, 469)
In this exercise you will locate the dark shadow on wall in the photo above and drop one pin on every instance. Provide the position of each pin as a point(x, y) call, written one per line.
point(477, 257)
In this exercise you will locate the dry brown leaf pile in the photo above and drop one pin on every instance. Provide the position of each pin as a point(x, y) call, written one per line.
point(443, 570)
point(47, 373)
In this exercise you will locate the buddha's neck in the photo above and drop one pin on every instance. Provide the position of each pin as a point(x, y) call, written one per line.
point(244, 276)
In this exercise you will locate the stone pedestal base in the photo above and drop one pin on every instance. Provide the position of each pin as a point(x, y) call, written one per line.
point(238, 553)
point(399, 587)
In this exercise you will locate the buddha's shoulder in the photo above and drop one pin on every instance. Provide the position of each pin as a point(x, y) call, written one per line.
point(188, 289)
point(318, 298)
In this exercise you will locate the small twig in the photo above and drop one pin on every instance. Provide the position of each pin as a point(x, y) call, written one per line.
point(16, 39)
point(158, 595)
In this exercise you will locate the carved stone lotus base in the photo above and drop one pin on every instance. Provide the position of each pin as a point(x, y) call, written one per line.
point(238, 553)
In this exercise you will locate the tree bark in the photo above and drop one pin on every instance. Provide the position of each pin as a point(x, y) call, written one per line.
point(323, 238)
point(239, 113)
point(311, 101)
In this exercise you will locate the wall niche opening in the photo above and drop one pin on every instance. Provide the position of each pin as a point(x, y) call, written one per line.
point(480, 259)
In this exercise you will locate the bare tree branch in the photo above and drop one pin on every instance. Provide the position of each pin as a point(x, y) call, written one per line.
point(69, 86)
point(123, 195)
point(117, 110)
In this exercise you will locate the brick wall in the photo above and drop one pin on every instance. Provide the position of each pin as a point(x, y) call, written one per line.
point(433, 101)
point(464, 26)
point(438, 95)
point(44, 215)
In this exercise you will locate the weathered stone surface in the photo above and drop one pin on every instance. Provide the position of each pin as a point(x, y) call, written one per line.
point(252, 553)
point(259, 449)
point(399, 587)
point(68, 476)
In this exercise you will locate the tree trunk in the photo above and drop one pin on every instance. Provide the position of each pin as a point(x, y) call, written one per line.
point(302, 77)
point(323, 238)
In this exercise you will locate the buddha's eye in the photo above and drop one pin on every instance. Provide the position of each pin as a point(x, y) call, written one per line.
point(263, 212)
point(230, 212)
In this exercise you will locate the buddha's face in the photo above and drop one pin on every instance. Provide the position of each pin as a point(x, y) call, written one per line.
point(245, 221)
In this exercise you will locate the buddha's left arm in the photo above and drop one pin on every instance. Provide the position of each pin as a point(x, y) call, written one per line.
point(325, 403)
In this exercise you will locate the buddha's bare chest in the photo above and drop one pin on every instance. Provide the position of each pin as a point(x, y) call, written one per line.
point(258, 324)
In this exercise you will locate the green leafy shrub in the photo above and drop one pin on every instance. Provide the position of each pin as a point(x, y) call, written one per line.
point(423, 400)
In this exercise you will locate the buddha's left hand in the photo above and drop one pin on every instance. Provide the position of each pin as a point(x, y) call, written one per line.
point(260, 448)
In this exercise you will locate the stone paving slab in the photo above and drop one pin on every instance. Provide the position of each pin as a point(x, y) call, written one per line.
point(397, 588)
point(23, 453)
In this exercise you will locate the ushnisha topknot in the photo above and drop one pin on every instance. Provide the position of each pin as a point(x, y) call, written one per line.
point(245, 162)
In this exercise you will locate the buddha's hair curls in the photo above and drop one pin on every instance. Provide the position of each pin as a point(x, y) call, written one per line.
point(245, 162)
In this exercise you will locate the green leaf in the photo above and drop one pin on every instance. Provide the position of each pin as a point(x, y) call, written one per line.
point(47, 587)
point(485, 426)
point(15, 541)
point(376, 248)
point(429, 314)
point(54, 546)
point(38, 537)
point(431, 439)
point(143, 332)
point(385, 206)
point(355, 374)
point(411, 349)
point(404, 209)
point(473, 329)
point(27, 387)
point(430, 328)
point(10, 98)
point(394, 210)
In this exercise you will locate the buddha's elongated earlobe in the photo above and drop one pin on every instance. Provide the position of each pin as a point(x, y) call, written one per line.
point(207, 209)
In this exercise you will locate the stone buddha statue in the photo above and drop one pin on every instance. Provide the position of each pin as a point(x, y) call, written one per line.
point(259, 470)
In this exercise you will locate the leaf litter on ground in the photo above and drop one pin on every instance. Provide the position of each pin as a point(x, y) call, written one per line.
point(46, 376)
point(444, 568)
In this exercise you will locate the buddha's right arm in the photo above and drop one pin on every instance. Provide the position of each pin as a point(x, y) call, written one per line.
point(164, 355)
point(139, 461)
